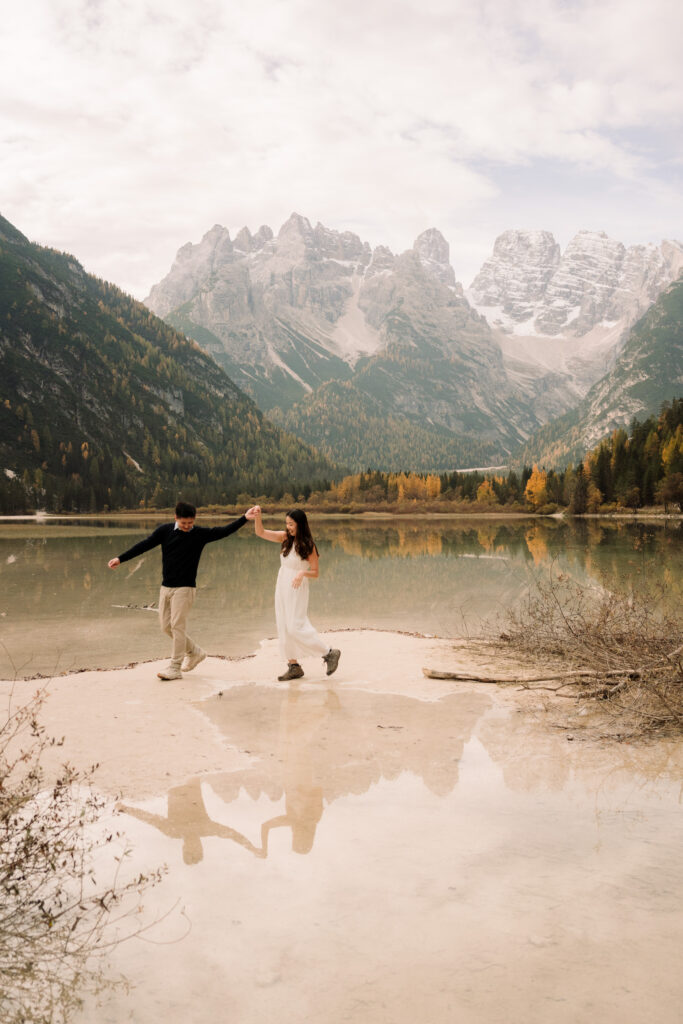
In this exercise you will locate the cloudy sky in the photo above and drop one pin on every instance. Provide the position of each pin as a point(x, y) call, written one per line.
point(129, 127)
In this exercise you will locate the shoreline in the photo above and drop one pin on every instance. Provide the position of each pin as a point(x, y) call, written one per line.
point(145, 734)
point(369, 516)
point(115, 717)
point(143, 662)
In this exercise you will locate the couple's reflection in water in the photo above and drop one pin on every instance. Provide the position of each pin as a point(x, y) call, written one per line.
point(312, 747)
point(188, 821)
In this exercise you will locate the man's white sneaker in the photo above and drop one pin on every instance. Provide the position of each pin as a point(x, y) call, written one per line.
point(170, 673)
point(192, 660)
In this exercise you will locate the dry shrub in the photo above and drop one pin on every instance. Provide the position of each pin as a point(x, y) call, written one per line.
point(58, 919)
point(625, 649)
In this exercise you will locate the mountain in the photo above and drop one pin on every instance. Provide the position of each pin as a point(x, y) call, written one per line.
point(267, 309)
point(648, 372)
point(529, 287)
point(104, 405)
point(384, 360)
point(568, 312)
point(290, 314)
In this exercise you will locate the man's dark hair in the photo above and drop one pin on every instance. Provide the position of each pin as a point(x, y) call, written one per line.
point(184, 510)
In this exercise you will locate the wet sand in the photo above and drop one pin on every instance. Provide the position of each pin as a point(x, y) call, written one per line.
point(378, 846)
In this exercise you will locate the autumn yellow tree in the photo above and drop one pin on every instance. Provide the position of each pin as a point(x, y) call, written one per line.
point(536, 491)
point(673, 449)
point(344, 490)
point(415, 486)
point(594, 500)
point(409, 486)
point(433, 486)
point(486, 494)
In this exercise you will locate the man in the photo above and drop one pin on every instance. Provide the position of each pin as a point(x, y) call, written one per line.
point(182, 544)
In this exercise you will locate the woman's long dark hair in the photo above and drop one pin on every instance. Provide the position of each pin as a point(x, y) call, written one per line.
point(303, 542)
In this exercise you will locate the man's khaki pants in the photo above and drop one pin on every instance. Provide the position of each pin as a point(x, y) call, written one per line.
point(174, 608)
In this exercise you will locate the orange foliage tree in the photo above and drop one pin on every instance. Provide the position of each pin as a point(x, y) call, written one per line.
point(536, 491)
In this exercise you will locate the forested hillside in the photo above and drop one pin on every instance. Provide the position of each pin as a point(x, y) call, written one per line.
point(103, 405)
point(356, 430)
point(648, 372)
point(627, 470)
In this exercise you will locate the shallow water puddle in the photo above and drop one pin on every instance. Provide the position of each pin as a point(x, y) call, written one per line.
point(387, 859)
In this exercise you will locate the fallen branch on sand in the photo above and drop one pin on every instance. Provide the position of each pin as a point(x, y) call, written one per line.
point(622, 649)
point(433, 673)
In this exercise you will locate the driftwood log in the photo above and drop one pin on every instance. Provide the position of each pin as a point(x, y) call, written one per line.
point(618, 673)
point(468, 677)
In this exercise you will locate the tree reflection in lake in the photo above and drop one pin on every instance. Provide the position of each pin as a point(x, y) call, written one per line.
point(61, 610)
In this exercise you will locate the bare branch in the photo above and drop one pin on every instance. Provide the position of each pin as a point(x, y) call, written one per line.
point(600, 645)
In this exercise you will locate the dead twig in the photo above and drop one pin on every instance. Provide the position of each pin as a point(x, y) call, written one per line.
point(57, 919)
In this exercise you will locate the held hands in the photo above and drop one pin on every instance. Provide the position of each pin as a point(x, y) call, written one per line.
point(253, 512)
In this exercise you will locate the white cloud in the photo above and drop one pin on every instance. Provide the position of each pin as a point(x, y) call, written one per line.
point(130, 127)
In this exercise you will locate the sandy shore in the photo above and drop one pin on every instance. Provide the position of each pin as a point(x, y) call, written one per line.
point(378, 846)
point(145, 734)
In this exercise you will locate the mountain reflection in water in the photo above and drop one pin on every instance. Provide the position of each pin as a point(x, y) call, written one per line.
point(61, 609)
point(311, 748)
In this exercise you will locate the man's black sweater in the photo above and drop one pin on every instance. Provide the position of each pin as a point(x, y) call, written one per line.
point(180, 550)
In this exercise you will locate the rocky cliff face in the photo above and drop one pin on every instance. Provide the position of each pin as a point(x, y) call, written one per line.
point(268, 307)
point(562, 318)
point(511, 285)
point(434, 254)
point(298, 303)
point(310, 306)
point(529, 288)
point(287, 314)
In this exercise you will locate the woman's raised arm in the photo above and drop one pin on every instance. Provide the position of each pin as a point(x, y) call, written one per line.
point(275, 535)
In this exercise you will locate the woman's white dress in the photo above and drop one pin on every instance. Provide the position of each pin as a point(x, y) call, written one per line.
point(298, 638)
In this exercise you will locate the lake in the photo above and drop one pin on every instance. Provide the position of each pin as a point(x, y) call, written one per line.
point(374, 847)
point(62, 609)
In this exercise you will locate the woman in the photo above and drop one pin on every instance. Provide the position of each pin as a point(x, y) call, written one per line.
point(298, 565)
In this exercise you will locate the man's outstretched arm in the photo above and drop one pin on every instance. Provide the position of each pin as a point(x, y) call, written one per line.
point(147, 544)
